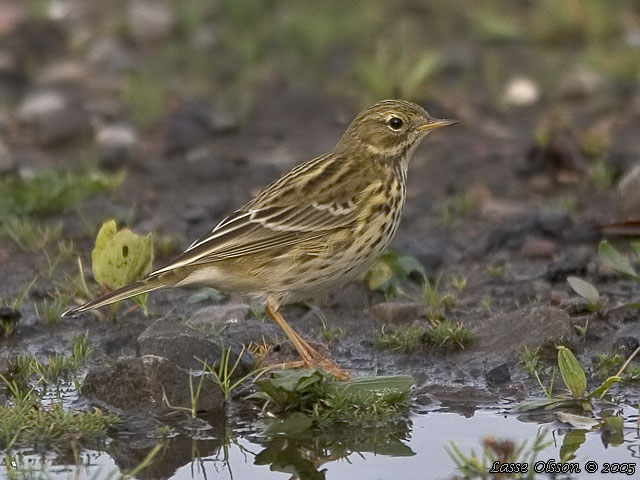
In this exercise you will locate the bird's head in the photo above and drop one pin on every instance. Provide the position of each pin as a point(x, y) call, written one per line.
point(390, 128)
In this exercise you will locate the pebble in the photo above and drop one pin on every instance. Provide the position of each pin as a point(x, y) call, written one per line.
point(149, 20)
point(521, 92)
point(109, 55)
point(499, 375)
point(537, 248)
point(49, 116)
point(116, 144)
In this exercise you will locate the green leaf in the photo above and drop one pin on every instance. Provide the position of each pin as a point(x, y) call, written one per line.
point(544, 403)
point(571, 443)
point(615, 260)
point(121, 257)
point(363, 388)
point(636, 248)
point(577, 421)
point(379, 275)
point(613, 433)
point(604, 387)
point(584, 289)
point(294, 424)
point(572, 372)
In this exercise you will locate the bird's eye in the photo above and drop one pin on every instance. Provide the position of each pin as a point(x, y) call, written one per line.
point(395, 123)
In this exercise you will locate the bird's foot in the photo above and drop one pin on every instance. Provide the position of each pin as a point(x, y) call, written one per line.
point(316, 360)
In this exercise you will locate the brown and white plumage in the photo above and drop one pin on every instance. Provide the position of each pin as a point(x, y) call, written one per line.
point(316, 227)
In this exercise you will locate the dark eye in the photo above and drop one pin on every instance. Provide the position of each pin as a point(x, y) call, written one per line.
point(396, 123)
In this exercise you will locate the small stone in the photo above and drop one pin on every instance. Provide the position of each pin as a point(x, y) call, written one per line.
point(196, 214)
point(394, 313)
point(253, 331)
point(552, 222)
point(499, 375)
point(50, 116)
point(63, 72)
point(150, 20)
point(521, 92)
point(116, 144)
point(188, 347)
point(537, 248)
point(109, 55)
point(626, 345)
point(140, 384)
point(572, 263)
point(193, 123)
point(502, 209)
point(41, 105)
point(628, 192)
point(581, 83)
point(628, 338)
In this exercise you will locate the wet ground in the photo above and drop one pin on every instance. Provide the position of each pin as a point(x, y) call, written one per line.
point(502, 208)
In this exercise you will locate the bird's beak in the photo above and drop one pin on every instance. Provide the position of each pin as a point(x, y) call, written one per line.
point(436, 123)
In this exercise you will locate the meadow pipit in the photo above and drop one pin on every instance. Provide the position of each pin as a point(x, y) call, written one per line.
point(318, 226)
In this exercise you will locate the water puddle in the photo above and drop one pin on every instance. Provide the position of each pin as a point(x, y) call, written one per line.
point(410, 449)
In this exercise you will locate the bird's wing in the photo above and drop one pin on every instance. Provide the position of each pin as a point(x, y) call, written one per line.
point(280, 216)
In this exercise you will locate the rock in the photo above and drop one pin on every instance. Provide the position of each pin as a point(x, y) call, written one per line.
point(507, 334)
point(138, 384)
point(537, 248)
point(575, 262)
point(149, 20)
point(109, 55)
point(193, 123)
point(205, 38)
point(63, 72)
point(628, 192)
point(50, 116)
point(560, 158)
point(497, 209)
point(253, 331)
point(181, 344)
point(216, 315)
point(395, 313)
point(521, 92)
point(464, 399)
point(628, 338)
point(430, 251)
point(116, 144)
point(196, 214)
point(499, 375)
point(626, 345)
point(581, 83)
point(552, 223)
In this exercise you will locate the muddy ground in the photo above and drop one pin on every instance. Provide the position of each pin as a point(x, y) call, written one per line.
point(488, 202)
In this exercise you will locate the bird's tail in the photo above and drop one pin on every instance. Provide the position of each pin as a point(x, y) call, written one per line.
point(128, 291)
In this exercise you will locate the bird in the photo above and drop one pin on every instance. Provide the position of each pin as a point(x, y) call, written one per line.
point(318, 226)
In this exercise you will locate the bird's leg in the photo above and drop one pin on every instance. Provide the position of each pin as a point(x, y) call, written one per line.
point(310, 357)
